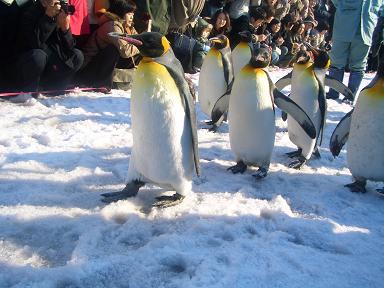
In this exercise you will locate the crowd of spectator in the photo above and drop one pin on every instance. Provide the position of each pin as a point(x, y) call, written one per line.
point(39, 51)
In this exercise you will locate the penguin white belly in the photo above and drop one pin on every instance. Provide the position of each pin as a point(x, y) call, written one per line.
point(162, 142)
point(212, 83)
point(365, 150)
point(251, 118)
point(305, 93)
point(240, 57)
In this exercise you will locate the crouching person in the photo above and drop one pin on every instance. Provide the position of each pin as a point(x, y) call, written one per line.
point(102, 52)
point(47, 59)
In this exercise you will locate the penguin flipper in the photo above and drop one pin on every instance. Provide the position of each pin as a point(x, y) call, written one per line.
point(174, 68)
point(338, 86)
point(289, 106)
point(220, 109)
point(227, 65)
point(284, 81)
point(340, 134)
point(321, 98)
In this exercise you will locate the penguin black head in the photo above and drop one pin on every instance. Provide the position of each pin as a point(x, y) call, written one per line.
point(246, 36)
point(150, 44)
point(261, 57)
point(321, 57)
point(219, 42)
point(302, 57)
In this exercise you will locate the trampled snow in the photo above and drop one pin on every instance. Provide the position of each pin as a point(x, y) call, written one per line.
point(295, 228)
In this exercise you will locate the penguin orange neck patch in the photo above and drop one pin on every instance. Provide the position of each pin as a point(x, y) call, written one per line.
point(165, 43)
point(377, 91)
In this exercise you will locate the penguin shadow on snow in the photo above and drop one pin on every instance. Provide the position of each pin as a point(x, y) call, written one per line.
point(89, 174)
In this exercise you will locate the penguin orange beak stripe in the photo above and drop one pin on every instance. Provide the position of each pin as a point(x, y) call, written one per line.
point(312, 49)
point(133, 41)
point(215, 40)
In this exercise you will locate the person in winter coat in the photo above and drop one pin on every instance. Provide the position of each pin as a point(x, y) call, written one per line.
point(102, 51)
point(47, 55)
point(352, 37)
point(221, 23)
point(200, 50)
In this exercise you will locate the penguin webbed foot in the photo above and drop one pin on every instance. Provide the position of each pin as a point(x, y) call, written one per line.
point(240, 167)
point(168, 201)
point(294, 154)
point(297, 163)
point(381, 191)
point(130, 190)
point(347, 100)
point(213, 128)
point(284, 116)
point(260, 173)
point(316, 154)
point(357, 186)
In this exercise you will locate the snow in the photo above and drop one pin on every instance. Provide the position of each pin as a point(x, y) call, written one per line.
point(292, 229)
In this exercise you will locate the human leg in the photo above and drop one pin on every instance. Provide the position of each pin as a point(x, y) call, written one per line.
point(339, 58)
point(99, 71)
point(357, 63)
point(29, 68)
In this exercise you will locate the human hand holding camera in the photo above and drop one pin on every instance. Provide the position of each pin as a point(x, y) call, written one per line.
point(52, 7)
point(63, 21)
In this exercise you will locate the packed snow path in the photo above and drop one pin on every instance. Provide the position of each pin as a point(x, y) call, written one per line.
point(292, 229)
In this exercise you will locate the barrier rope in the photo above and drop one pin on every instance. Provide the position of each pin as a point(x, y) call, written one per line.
point(13, 94)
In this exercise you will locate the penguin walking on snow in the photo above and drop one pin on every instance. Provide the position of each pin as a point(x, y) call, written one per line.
point(252, 117)
point(320, 67)
point(164, 129)
point(363, 128)
point(215, 81)
point(308, 92)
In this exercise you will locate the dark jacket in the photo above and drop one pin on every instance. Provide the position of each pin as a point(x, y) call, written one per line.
point(38, 31)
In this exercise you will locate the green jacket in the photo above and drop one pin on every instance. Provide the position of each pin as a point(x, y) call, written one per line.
point(355, 16)
point(169, 15)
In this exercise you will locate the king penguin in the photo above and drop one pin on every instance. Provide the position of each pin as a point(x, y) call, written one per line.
point(215, 81)
point(251, 115)
point(242, 52)
point(308, 92)
point(321, 65)
point(163, 118)
point(363, 128)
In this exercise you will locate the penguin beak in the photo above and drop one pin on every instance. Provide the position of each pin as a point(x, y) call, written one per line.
point(215, 40)
point(243, 33)
point(261, 57)
point(312, 49)
point(133, 41)
point(301, 59)
point(129, 38)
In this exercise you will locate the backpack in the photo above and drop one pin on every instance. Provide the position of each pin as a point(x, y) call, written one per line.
point(183, 48)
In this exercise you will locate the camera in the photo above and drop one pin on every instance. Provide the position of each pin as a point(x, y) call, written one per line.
point(68, 9)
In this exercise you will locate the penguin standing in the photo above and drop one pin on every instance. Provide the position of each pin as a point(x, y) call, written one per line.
point(363, 128)
point(164, 130)
point(215, 81)
point(320, 67)
point(308, 92)
point(242, 52)
point(252, 117)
